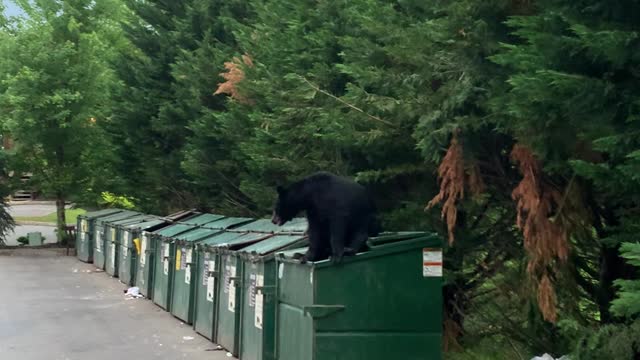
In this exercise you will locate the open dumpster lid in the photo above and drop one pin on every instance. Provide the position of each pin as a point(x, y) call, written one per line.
point(297, 225)
point(147, 224)
point(177, 216)
point(100, 213)
point(118, 216)
point(273, 244)
point(201, 219)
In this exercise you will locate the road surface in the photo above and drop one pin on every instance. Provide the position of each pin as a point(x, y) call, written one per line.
point(32, 210)
point(57, 308)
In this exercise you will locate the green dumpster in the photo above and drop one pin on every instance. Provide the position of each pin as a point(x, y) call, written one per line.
point(382, 304)
point(227, 323)
point(128, 250)
point(165, 255)
point(257, 329)
point(144, 271)
point(183, 288)
point(113, 231)
point(85, 233)
point(100, 235)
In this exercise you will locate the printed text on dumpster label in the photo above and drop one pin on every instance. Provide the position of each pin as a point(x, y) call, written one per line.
point(259, 302)
point(431, 262)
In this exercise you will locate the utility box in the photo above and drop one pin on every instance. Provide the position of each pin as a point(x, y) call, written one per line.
point(35, 238)
point(85, 225)
point(385, 303)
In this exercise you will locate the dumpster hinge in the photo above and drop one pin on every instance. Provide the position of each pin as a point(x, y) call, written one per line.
point(267, 290)
point(321, 311)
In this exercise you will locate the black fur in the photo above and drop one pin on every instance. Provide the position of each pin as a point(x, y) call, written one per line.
point(340, 213)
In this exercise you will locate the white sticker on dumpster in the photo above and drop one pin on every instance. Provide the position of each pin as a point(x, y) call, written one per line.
point(187, 270)
point(232, 289)
point(113, 234)
point(189, 256)
point(82, 235)
point(143, 250)
point(83, 225)
point(113, 256)
point(280, 270)
point(252, 290)
point(259, 302)
point(125, 244)
point(431, 262)
point(98, 242)
point(165, 266)
point(211, 283)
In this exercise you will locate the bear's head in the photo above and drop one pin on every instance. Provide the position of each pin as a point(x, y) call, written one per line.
point(283, 210)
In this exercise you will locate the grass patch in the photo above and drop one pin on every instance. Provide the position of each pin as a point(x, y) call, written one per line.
point(71, 215)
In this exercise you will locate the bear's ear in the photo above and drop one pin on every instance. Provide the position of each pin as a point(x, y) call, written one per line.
point(280, 190)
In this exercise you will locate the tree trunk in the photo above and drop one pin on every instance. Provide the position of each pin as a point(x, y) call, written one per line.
point(62, 221)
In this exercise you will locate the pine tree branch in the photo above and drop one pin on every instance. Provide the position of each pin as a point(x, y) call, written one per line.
point(318, 89)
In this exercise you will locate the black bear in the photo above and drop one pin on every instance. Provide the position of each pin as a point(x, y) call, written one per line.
point(340, 213)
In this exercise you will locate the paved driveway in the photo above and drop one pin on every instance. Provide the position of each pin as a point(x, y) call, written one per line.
point(52, 308)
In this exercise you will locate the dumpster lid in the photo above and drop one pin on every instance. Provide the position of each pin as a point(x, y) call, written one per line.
point(233, 240)
point(118, 216)
point(131, 220)
point(226, 223)
point(147, 224)
point(175, 229)
point(196, 234)
point(272, 244)
point(201, 219)
point(296, 225)
point(99, 213)
point(387, 243)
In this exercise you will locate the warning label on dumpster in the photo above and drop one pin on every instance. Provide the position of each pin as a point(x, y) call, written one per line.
point(205, 270)
point(232, 289)
point(125, 243)
point(82, 236)
point(211, 283)
point(431, 262)
point(113, 255)
point(143, 250)
point(113, 234)
point(252, 290)
point(98, 242)
point(187, 272)
point(259, 302)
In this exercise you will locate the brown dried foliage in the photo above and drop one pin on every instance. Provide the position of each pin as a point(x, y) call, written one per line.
point(453, 178)
point(544, 240)
point(233, 76)
point(450, 335)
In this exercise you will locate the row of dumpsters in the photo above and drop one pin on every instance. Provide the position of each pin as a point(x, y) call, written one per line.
point(239, 283)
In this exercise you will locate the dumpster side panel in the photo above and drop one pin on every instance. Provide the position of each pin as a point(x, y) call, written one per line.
point(252, 318)
point(111, 251)
point(99, 245)
point(385, 293)
point(294, 334)
point(228, 305)
point(183, 281)
point(163, 274)
point(145, 266)
point(128, 257)
point(376, 346)
point(206, 285)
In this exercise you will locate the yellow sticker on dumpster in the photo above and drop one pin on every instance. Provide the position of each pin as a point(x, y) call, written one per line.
point(431, 262)
point(178, 258)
